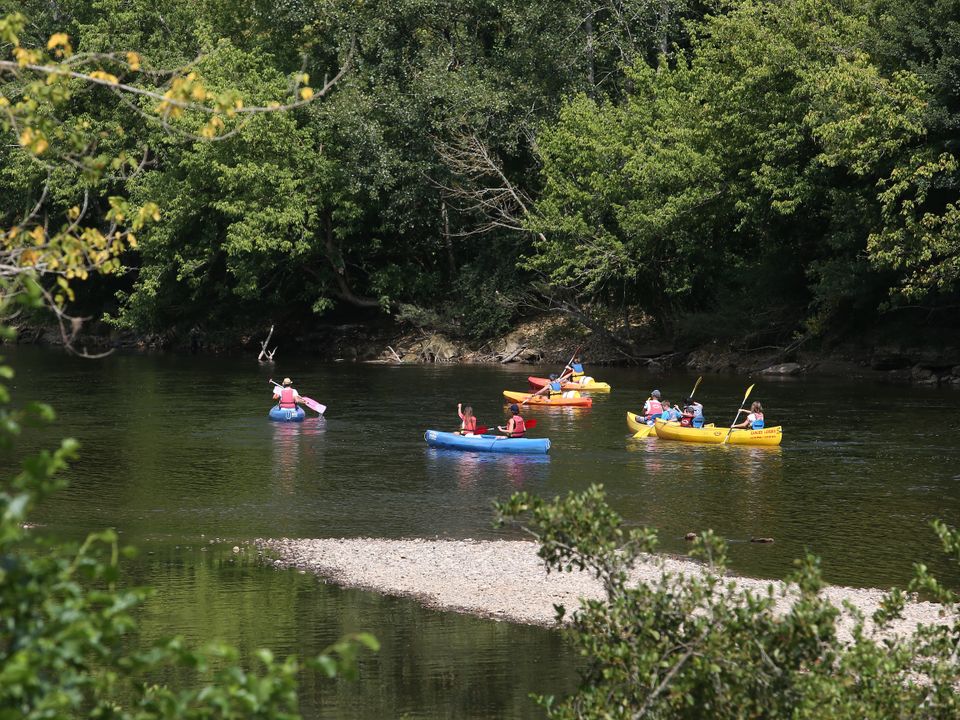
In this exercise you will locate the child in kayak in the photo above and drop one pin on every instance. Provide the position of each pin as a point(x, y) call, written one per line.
point(692, 413)
point(468, 422)
point(577, 373)
point(515, 427)
point(556, 388)
point(754, 419)
point(670, 414)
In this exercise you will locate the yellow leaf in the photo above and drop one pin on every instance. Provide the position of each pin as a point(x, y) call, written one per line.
point(133, 60)
point(57, 39)
point(131, 240)
point(74, 212)
point(38, 235)
point(105, 76)
point(306, 93)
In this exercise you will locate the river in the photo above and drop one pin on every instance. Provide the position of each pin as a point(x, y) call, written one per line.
point(178, 455)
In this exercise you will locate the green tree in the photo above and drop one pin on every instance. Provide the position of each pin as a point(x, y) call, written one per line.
point(67, 632)
point(695, 644)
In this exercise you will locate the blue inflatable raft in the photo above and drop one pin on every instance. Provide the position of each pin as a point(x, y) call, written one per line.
point(287, 414)
point(487, 443)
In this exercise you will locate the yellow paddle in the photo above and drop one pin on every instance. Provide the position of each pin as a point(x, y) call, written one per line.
point(746, 395)
point(643, 432)
point(695, 386)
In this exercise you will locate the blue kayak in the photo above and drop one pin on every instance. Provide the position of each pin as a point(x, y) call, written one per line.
point(287, 414)
point(487, 443)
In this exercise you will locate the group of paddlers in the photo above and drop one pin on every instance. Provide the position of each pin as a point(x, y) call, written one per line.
point(516, 426)
point(690, 413)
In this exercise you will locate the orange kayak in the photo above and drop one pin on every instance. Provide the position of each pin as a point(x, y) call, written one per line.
point(519, 397)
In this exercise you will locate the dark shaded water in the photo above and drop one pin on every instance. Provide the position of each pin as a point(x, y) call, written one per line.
point(178, 452)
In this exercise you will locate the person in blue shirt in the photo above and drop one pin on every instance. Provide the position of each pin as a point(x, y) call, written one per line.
point(670, 413)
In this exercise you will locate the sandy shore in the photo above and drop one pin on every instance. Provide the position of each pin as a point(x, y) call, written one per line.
point(505, 580)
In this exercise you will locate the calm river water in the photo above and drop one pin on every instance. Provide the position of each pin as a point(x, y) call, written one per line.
point(179, 456)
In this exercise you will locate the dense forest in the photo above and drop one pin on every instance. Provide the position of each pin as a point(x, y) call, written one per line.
point(784, 169)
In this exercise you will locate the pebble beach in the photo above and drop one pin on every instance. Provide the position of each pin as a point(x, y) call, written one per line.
point(506, 580)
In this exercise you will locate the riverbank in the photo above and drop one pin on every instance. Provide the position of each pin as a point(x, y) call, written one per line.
point(918, 357)
point(505, 580)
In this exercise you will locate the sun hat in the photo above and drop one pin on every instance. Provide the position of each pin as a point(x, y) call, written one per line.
point(656, 394)
point(287, 381)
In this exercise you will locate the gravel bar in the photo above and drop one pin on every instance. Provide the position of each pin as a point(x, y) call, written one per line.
point(505, 580)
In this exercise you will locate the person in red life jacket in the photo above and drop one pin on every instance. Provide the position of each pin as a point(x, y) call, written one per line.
point(468, 422)
point(692, 414)
point(516, 427)
point(288, 398)
point(652, 408)
point(754, 419)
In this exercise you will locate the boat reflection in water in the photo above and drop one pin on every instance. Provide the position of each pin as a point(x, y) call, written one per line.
point(291, 443)
point(471, 467)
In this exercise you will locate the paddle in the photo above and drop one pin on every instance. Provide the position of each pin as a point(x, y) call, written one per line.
point(559, 379)
point(695, 386)
point(483, 429)
point(643, 432)
point(318, 408)
point(737, 417)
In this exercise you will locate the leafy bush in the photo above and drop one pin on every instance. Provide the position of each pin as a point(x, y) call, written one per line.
point(700, 646)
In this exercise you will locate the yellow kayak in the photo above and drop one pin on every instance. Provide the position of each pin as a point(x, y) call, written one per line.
point(593, 386)
point(634, 423)
point(715, 435)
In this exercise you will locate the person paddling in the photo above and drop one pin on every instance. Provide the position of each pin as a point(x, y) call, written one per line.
point(754, 419)
point(577, 373)
point(468, 422)
point(692, 413)
point(287, 396)
point(652, 408)
point(516, 427)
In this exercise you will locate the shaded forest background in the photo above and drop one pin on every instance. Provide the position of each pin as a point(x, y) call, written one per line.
point(773, 172)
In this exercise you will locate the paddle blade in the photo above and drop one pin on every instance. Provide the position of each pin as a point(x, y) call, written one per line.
point(314, 405)
point(695, 386)
point(643, 432)
point(531, 423)
point(749, 390)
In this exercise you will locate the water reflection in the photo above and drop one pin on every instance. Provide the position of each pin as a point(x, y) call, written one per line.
point(292, 442)
point(469, 468)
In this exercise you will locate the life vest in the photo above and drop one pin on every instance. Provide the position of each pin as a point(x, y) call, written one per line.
point(653, 408)
point(698, 421)
point(555, 388)
point(287, 400)
point(686, 421)
point(469, 424)
point(519, 427)
point(577, 369)
point(757, 421)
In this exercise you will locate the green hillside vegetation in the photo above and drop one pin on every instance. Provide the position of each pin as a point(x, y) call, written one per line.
point(716, 166)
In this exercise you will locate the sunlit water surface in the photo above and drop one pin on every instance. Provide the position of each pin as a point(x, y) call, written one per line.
point(179, 456)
